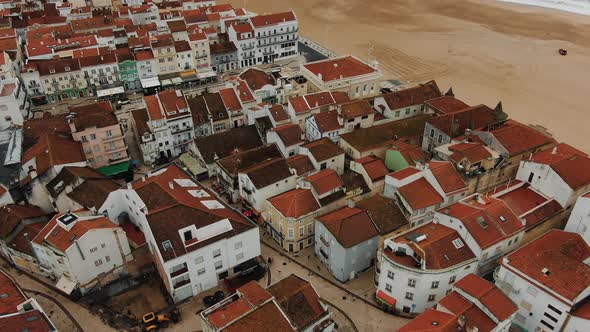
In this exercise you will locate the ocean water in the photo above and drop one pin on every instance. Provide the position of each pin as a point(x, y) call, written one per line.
point(573, 6)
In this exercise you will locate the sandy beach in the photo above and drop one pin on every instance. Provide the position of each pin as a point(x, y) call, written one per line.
point(486, 50)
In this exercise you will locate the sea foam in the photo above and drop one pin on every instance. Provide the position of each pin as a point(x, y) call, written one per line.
point(572, 6)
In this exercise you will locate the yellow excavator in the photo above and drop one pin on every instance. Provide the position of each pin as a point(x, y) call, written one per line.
point(152, 322)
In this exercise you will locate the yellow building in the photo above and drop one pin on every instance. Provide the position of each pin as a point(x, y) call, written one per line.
point(345, 74)
point(290, 219)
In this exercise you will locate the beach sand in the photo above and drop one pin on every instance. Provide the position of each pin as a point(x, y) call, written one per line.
point(486, 50)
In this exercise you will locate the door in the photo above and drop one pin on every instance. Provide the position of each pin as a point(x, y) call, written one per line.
point(301, 245)
point(290, 247)
point(222, 275)
point(531, 177)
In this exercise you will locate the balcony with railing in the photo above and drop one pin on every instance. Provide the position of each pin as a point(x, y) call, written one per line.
point(116, 148)
point(112, 138)
point(181, 283)
point(180, 272)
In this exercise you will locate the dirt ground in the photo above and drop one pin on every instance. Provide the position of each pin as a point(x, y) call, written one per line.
point(139, 301)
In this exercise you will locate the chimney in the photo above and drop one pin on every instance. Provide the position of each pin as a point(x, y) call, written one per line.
point(554, 151)
point(461, 322)
point(171, 184)
point(350, 203)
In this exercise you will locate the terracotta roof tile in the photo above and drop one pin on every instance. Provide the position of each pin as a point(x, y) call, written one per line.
point(385, 213)
point(225, 143)
point(350, 226)
point(11, 215)
point(446, 104)
point(299, 301)
point(256, 79)
point(327, 121)
point(563, 254)
point(301, 164)
point(374, 167)
point(420, 194)
point(412, 96)
point(295, 203)
point(432, 320)
point(268, 172)
point(278, 113)
point(290, 134)
point(438, 247)
point(230, 99)
point(488, 220)
point(325, 181)
point(447, 176)
point(323, 149)
point(339, 68)
point(244, 159)
point(489, 295)
point(455, 124)
point(474, 317)
point(517, 138)
point(355, 109)
point(260, 21)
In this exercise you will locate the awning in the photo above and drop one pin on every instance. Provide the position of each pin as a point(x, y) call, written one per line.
point(65, 285)
point(207, 74)
point(390, 301)
point(110, 91)
point(150, 82)
point(114, 169)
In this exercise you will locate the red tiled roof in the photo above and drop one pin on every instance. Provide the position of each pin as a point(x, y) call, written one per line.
point(455, 124)
point(350, 226)
point(404, 173)
point(412, 96)
point(171, 207)
point(446, 104)
point(230, 99)
point(517, 138)
point(302, 104)
point(374, 167)
point(563, 254)
point(410, 152)
point(582, 311)
point(229, 312)
point(301, 164)
point(437, 250)
point(53, 150)
point(323, 149)
point(355, 109)
point(568, 162)
point(32, 321)
point(325, 181)
point(473, 152)
point(13, 214)
point(339, 68)
point(447, 176)
point(256, 79)
point(489, 295)
point(260, 21)
point(153, 107)
point(420, 194)
point(62, 239)
point(327, 121)
point(254, 293)
point(172, 102)
point(265, 318)
point(14, 296)
point(484, 221)
point(299, 301)
point(290, 134)
point(474, 317)
point(295, 203)
point(432, 320)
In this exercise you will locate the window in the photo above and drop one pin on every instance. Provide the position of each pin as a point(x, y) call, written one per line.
point(323, 166)
point(93, 249)
point(239, 256)
point(109, 133)
point(216, 253)
point(199, 260)
point(431, 132)
point(434, 284)
point(409, 296)
point(167, 245)
point(98, 262)
point(291, 233)
point(452, 279)
point(440, 137)
point(301, 231)
point(447, 292)
point(84, 139)
point(397, 113)
point(238, 245)
point(412, 282)
point(201, 271)
point(388, 287)
point(107, 258)
point(431, 297)
point(103, 245)
point(309, 228)
point(218, 265)
point(390, 275)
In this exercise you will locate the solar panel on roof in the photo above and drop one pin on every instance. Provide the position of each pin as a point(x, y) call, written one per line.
point(185, 182)
point(199, 193)
point(67, 218)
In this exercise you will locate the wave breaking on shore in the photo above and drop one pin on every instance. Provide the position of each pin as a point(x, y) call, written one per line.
point(573, 6)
